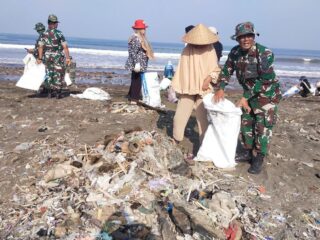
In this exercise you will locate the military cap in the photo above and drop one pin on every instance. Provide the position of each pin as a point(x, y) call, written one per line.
point(53, 18)
point(243, 29)
point(39, 27)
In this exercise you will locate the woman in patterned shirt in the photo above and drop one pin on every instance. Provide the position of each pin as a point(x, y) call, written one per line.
point(140, 52)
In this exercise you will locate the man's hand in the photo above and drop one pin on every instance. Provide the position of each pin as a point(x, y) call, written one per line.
point(218, 96)
point(39, 61)
point(68, 61)
point(243, 102)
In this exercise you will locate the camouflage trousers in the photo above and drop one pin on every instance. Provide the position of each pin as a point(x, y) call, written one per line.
point(55, 71)
point(256, 127)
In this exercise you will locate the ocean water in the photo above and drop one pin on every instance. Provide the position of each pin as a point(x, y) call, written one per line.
point(101, 54)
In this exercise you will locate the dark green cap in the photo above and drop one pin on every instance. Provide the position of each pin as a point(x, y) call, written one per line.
point(243, 29)
point(53, 18)
point(39, 27)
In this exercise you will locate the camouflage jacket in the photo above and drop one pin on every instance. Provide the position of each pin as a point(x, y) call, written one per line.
point(36, 46)
point(52, 41)
point(254, 71)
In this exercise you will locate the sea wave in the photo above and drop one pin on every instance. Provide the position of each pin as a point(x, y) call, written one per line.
point(98, 52)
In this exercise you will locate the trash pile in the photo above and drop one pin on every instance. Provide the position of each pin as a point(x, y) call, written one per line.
point(134, 185)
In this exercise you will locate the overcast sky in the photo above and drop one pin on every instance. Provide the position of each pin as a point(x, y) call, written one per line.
point(281, 23)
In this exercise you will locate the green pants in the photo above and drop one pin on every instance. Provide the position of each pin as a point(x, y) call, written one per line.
point(256, 127)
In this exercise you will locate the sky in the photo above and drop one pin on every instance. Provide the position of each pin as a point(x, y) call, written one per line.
point(291, 24)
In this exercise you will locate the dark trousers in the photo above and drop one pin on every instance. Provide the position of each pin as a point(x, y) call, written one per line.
point(135, 87)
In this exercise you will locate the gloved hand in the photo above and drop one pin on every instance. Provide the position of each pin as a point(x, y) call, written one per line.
point(137, 67)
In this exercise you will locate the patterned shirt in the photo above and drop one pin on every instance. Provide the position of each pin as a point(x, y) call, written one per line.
point(254, 71)
point(136, 54)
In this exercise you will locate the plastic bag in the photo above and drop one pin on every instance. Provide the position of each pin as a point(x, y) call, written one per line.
point(291, 91)
point(34, 74)
point(220, 140)
point(93, 93)
point(151, 89)
point(67, 79)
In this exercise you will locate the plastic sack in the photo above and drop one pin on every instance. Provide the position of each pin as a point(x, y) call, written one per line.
point(67, 79)
point(33, 75)
point(71, 70)
point(221, 138)
point(93, 93)
point(151, 89)
point(291, 91)
point(165, 83)
point(172, 97)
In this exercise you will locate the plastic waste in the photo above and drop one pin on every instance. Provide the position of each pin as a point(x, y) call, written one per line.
point(34, 74)
point(93, 93)
point(151, 89)
point(165, 83)
point(168, 70)
point(71, 70)
point(220, 140)
point(291, 91)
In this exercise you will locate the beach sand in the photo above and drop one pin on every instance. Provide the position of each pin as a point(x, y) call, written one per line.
point(289, 180)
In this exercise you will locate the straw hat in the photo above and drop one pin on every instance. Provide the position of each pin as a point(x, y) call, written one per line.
point(200, 35)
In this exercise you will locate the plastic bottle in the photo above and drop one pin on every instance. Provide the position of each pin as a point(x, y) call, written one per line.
point(168, 70)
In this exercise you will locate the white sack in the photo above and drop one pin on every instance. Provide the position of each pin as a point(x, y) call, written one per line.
point(67, 79)
point(291, 91)
point(165, 83)
point(93, 93)
point(221, 138)
point(151, 89)
point(33, 75)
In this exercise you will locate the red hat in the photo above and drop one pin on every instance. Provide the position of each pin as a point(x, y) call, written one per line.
point(139, 24)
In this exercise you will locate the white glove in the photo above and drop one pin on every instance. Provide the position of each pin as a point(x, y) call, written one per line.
point(137, 67)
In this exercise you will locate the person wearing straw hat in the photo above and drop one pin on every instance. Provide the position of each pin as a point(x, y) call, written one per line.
point(253, 64)
point(140, 51)
point(197, 68)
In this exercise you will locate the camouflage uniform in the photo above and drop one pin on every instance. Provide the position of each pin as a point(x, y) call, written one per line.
point(52, 41)
point(254, 71)
point(40, 28)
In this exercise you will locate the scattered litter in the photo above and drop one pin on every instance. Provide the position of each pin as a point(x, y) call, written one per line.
point(23, 146)
point(134, 185)
point(93, 93)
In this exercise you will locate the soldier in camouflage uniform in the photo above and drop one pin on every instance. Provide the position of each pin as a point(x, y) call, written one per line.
point(53, 47)
point(40, 28)
point(253, 64)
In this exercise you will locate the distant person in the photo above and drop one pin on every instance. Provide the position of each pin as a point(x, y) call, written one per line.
point(217, 45)
point(304, 86)
point(53, 47)
point(40, 28)
point(197, 65)
point(140, 51)
point(318, 88)
point(188, 28)
point(253, 64)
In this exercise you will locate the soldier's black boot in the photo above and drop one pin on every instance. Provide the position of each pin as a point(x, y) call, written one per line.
point(245, 156)
point(256, 164)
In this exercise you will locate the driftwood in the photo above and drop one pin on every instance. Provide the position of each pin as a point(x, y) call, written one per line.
point(160, 110)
